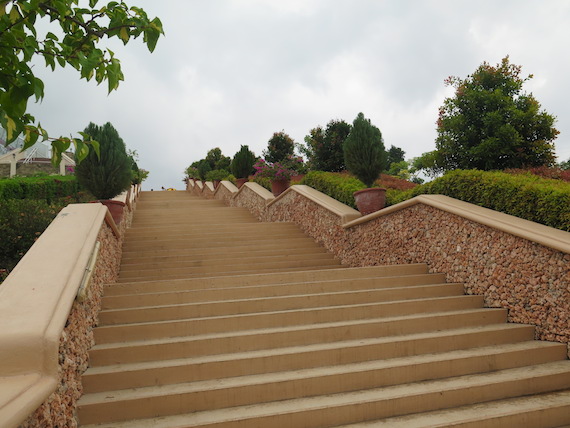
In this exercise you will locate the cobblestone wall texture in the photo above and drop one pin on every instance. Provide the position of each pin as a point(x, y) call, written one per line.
point(58, 411)
point(224, 194)
point(530, 280)
point(252, 201)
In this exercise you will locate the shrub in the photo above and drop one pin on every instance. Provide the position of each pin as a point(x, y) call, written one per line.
point(263, 182)
point(217, 174)
point(242, 163)
point(337, 186)
point(108, 174)
point(555, 173)
point(364, 152)
point(526, 196)
point(22, 221)
point(47, 188)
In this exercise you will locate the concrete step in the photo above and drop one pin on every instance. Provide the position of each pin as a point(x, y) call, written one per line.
point(190, 228)
point(481, 321)
point(251, 321)
point(216, 254)
point(218, 248)
point(234, 270)
point(229, 306)
point(322, 410)
point(213, 293)
point(394, 348)
point(215, 264)
point(343, 273)
point(225, 244)
point(550, 410)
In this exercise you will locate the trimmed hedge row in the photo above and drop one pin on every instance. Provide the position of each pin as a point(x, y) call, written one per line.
point(339, 187)
point(526, 196)
point(22, 221)
point(45, 188)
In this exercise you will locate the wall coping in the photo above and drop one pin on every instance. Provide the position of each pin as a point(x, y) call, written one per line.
point(210, 186)
point(539, 233)
point(337, 208)
point(261, 191)
point(231, 187)
point(35, 300)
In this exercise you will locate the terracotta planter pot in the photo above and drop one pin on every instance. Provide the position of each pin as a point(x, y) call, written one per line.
point(241, 181)
point(370, 200)
point(279, 186)
point(115, 208)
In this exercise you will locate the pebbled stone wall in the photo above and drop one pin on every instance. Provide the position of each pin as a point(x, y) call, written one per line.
point(529, 279)
point(58, 411)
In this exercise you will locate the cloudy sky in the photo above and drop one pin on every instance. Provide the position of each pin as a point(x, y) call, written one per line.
point(232, 72)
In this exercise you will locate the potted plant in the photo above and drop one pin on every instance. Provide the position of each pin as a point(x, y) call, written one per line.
point(108, 173)
point(278, 173)
point(242, 165)
point(364, 156)
point(217, 175)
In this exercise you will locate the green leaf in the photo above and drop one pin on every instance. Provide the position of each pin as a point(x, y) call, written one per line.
point(81, 149)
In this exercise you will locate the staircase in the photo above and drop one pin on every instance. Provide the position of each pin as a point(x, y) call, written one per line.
point(221, 321)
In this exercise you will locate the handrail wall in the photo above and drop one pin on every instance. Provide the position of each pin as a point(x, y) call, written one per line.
point(515, 264)
point(45, 332)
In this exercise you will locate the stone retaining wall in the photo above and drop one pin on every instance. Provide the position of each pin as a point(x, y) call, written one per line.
point(58, 411)
point(531, 280)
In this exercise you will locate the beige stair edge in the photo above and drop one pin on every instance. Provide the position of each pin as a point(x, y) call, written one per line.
point(29, 356)
point(408, 398)
point(539, 233)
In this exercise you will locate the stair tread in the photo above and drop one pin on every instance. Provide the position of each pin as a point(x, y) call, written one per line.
point(308, 295)
point(430, 302)
point(270, 278)
point(297, 327)
point(558, 368)
point(476, 413)
point(293, 350)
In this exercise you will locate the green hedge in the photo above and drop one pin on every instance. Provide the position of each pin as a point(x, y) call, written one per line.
point(46, 188)
point(22, 221)
point(339, 187)
point(526, 196)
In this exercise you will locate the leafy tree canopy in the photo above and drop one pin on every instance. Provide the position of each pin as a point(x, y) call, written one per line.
point(80, 30)
point(279, 147)
point(217, 160)
point(491, 124)
point(325, 146)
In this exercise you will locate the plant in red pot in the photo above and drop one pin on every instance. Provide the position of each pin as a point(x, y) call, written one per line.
point(242, 165)
point(278, 173)
point(364, 156)
point(108, 173)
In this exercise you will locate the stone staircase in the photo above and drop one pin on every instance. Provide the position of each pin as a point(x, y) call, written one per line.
point(221, 321)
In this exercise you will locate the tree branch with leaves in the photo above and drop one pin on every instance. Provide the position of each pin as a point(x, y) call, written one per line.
point(82, 29)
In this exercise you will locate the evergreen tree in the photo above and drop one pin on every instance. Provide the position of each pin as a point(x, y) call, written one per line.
point(242, 163)
point(110, 173)
point(364, 152)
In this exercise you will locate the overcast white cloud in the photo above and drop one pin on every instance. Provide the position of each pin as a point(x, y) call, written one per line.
point(232, 72)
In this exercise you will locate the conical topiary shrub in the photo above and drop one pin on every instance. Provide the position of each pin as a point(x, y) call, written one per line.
point(109, 174)
point(364, 156)
point(242, 163)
